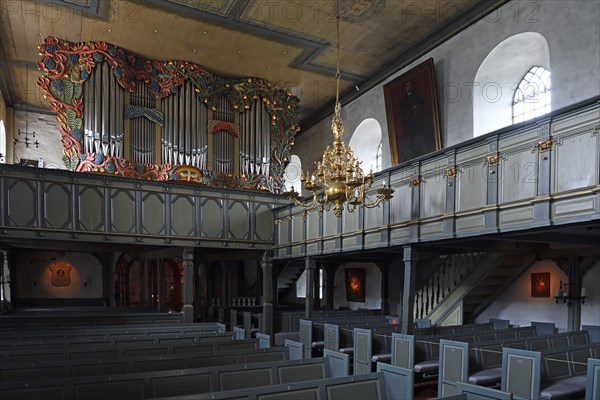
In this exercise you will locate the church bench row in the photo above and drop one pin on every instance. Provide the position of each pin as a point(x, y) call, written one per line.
point(60, 369)
point(481, 363)
point(115, 340)
point(387, 383)
point(314, 332)
point(32, 320)
point(421, 353)
point(289, 321)
point(131, 349)
point(173, 382)
point(552, 374)
point(41, 333)
point(382, 345)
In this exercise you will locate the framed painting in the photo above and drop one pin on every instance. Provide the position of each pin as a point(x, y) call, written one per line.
point(540, 284)
point(412, 113)
point(355, 284)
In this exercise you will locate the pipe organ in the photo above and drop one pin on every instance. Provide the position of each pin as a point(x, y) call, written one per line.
point(166, 120)
point(224, 131)
point(184, 138)
point(142, 129)
point(255, 143)
point(103, 113)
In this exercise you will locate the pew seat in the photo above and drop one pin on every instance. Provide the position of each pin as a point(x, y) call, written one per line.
point(486, 377)
point(566, 388)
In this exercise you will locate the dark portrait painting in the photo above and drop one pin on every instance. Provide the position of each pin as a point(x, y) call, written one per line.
point(540, 284)
point(412, 113)
point(355, 284)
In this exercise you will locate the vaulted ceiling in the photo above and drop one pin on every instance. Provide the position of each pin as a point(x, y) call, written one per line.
point(290, 43)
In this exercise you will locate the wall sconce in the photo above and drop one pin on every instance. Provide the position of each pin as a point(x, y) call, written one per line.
point(564, 293)
point(35, 281)
point(85, 282)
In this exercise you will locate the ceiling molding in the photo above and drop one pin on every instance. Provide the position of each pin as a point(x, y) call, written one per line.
point(92, 9)
point(232, 19)
point(7, 89)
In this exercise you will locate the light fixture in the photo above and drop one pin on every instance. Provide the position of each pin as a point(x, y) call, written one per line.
point(338, 180)
point(564, 293)
point(26, 141)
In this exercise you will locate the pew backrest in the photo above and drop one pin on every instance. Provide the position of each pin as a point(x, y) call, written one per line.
point(521, 373)
point(403, 350)
point(592, 387)
point(453, 366)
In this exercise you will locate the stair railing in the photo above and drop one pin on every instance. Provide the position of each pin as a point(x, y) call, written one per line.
point(452, 270)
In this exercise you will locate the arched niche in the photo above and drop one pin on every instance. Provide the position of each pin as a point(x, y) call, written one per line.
point(498, 77)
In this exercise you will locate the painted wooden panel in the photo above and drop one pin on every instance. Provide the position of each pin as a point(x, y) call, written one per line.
point(576, 160)
point(518, 175)
point(57, 206)
point(470, 222)
point(519, 138)
point(153, 214)
point(400, 204)
point(22, 203)
point(569, 208)
point(471, 186)
point(183, 215)
point(312, 225)
point(91, 208)
point(433, 195)
point(239, 220)
point(518, 215)
point(122, 205)
point(330, 223)
point(212, 218)
point(400, 235)
point(329, 246)
point(283, 231)
point(350, 221)
point(432, 228)
point(374, 217)
point(264, 222)
point(373, 240)
point(297, 228)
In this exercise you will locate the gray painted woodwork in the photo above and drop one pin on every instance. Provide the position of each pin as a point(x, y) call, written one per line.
point(188, 284)
point(410, 258)
point(47, 202)
point(267, 306)
point(310, 267)
point(547, 172)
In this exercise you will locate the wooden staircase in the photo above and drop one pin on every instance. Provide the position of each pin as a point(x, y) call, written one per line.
point(288, 276)
point(493, 284)
point(472, 281)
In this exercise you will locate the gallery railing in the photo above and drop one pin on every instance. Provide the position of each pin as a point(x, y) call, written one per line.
point(534, 174)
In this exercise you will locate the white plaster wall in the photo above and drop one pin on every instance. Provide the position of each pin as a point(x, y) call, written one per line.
point(517, 305)
point(35, 265)
point(46, 133)
point(571, 28)
point(590, 311)
point(372, 287)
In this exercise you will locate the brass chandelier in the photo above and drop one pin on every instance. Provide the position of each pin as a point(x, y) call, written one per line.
point(338, 180)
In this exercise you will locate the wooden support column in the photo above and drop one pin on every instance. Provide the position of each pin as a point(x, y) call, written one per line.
point(162, 293)
point(309, 267)
point(188, 284)
point(411, 257)
point(202, 291)
point(267, 305)
point(149, 285)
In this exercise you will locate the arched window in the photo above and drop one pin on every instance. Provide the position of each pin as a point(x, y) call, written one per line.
point(365, 141)
point(378, 157)
point(496, 80)
point(532, 96)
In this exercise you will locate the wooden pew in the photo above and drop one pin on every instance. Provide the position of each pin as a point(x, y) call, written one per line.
point(388, 383)
point(177, 382)
point(80, 368)
point(551, 374)
point(592, 387)
point(481, 363)
point(131, 349)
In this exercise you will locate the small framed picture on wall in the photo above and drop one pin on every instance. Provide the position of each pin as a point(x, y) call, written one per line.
point(355, 284)
point(540, 284)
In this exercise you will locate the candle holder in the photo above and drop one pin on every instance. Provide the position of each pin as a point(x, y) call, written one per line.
point(563, 293)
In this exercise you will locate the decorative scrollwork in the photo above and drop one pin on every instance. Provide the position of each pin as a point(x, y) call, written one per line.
point(544, 145)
